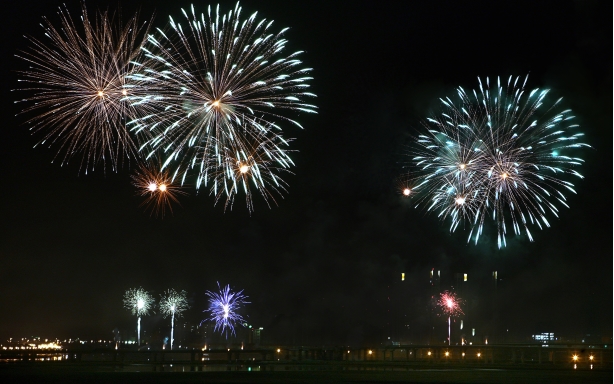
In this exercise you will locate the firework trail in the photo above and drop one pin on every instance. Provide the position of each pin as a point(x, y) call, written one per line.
point(173, 303)
point(219, 85)
point(156, 186)
point(78, 81)
point(500, 152)
point(222, 309)
point(139, 302)
point(451, 307)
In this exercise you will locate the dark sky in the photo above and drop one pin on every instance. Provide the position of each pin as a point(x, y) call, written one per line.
point(324, 265)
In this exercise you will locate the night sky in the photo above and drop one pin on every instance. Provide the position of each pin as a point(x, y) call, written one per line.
point(324, 266)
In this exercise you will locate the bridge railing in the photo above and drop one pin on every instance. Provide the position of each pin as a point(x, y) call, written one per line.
point(403, 354)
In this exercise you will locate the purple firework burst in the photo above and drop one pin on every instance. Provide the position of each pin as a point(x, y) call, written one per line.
point(222, 309)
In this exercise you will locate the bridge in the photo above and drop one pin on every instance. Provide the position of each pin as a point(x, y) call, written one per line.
point(595, 356)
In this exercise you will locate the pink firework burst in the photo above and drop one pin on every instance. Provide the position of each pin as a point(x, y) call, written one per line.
point(450, 304)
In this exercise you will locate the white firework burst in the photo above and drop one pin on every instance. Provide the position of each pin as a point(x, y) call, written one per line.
point(499, 152)
point(79, 89)
point(218, 83)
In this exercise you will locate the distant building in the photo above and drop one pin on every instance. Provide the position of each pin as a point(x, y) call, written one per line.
point(545, 338)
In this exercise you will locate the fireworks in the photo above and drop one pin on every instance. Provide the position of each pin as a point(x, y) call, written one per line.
point(501, 152)
point(451, 307)
point(139, 302)
point(157, 188)
point(450, 304)
point(173, 303)
point(208, 97)
point(218, 86)
point(258, 164)
point(222, 309)
point(78, 78)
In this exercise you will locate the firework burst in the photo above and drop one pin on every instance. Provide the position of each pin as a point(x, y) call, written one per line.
point(159, 191)
point(450, 306)
point(139, 302)
point(222, 309)
point(500, 152)
point(219, 85)
point(78, 78)
point(257, 165)
point(173, 303)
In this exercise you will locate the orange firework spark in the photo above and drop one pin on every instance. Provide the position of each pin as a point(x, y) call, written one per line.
point(158, 189)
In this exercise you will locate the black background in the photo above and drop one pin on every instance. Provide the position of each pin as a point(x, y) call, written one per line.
point(324, 265)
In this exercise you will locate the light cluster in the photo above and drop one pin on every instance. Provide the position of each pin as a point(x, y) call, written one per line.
point(502, 152)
